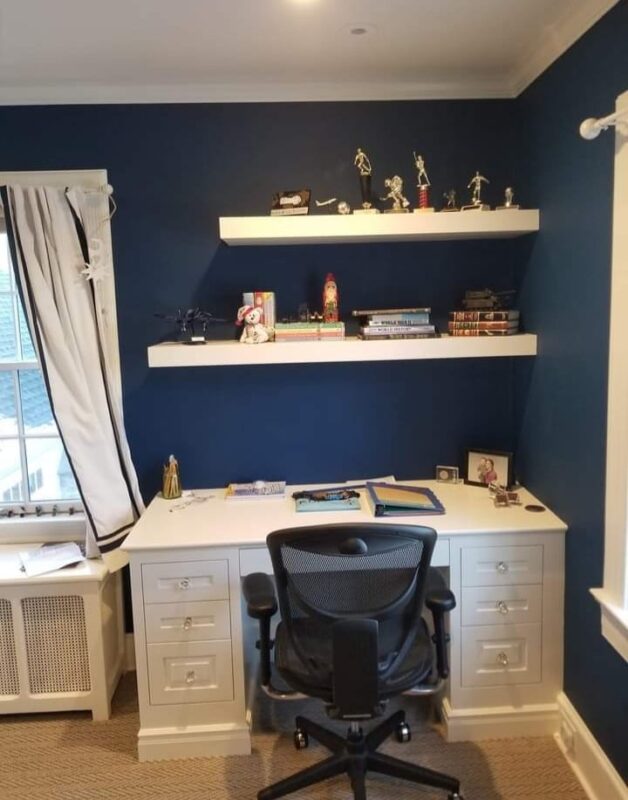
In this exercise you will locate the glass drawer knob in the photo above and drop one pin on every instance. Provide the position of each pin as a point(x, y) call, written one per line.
point(187, 623)
point(502, 567)
point(503, 659)
point(184, 583)
point(502, 607)
point(190, 677)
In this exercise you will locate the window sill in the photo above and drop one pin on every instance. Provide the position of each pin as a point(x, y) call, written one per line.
point(62, 528)
point(614, 622)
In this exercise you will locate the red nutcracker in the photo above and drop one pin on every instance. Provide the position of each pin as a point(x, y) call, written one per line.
point(330, 299)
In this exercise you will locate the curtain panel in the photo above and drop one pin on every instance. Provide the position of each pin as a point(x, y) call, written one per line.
point(64, 273)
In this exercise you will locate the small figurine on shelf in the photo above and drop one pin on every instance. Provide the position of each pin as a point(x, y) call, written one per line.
point(330, 299)
point(254, 332)
point(171, 486)
point(450, 196)
point(476, 184)
point(509, 196)
point(395, 193)
point(188, 323)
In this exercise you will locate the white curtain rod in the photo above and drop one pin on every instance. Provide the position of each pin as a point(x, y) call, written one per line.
point(590, 128)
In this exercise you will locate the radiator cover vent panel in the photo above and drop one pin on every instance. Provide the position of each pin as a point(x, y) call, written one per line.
point(9, 677)
point(56, 644)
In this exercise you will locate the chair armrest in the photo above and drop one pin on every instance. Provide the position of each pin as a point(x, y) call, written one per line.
point(259, 593)
point(440, 602)
point(261, 604)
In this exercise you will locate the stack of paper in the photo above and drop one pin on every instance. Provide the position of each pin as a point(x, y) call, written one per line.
point(50, 557)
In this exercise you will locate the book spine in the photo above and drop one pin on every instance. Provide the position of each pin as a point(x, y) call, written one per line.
point(398, 336)
point(482, 316)
point(382, 330)
point(398, 319)
point(484, 326)
point(289, 212)
point(248, 298)
point(390, 311)
point(483, 332)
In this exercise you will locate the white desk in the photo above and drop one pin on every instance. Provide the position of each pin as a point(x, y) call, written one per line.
point(506, 568)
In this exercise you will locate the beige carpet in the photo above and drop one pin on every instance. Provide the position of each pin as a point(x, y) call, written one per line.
point(69, 757)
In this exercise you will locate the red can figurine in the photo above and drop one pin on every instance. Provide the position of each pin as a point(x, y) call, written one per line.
point(330, 299)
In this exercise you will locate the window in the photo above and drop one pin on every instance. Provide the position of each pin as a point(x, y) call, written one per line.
point(34, 469)
point(613, 596)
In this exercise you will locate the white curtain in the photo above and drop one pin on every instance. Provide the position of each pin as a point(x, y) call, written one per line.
point(64, 272)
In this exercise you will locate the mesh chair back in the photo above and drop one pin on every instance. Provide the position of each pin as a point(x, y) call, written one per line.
point(326, 573)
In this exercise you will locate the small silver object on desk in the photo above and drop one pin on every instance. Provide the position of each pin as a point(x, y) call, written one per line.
point(476, 203)
point(395, 193)
point(508, 198)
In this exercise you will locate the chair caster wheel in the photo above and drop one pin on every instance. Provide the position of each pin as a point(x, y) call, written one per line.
point(301, 739)
point(403, 733)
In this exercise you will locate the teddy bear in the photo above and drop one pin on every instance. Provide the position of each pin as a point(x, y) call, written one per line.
point(254, 332)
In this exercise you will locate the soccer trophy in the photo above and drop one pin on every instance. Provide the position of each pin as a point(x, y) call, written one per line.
point(476, 203)
point(508, 198)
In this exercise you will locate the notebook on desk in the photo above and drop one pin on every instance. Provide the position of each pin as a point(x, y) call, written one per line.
point(398, 500)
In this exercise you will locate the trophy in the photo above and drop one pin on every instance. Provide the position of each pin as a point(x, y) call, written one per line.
point(450, 196)
point(423, 185)
point(476, 203)
point(508, 198)
point(363, 164)
point(395, 193)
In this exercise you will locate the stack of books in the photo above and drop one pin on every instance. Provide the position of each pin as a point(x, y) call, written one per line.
point(484, 323)
point(264, 301)
point(309, 331)
point(396, 323)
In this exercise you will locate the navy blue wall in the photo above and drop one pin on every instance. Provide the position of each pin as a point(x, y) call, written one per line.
point(176, 169)
point(561, 396)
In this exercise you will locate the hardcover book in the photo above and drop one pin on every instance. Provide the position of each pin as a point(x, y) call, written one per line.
point(399, 500)
point(371, 312)
point(483, 316)
point(484, 326)
point(482, 332)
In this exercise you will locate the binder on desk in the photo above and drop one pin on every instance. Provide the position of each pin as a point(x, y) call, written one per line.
point(398, 500)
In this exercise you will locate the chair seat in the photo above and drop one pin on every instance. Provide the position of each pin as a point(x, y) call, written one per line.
point(315, 677)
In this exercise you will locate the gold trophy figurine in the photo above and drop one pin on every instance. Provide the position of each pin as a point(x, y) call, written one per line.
point(171, 487)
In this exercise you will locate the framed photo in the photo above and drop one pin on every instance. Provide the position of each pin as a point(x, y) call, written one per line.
point(488, 466)
point(445, 474)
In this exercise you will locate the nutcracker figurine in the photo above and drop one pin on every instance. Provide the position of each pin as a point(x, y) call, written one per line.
point(330, 299)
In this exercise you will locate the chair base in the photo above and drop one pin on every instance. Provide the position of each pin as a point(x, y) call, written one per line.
point(356, 755)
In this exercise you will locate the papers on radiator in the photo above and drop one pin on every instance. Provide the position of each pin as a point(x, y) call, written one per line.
point(50, 557)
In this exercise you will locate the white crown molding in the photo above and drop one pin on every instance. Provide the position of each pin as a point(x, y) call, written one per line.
point(598, 777)
point(555, 41)
point(84, 94)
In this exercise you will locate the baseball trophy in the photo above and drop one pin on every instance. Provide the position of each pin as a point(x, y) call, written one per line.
point(423, 185)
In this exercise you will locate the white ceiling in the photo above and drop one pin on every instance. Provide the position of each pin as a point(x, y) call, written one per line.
point(64, 51)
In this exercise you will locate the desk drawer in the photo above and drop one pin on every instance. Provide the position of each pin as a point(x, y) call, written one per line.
point(501, 605)
point(185, 580)
point(257, 559)
point(190, 672)
point(501, 655)
point(187, 622)
point(502, 566)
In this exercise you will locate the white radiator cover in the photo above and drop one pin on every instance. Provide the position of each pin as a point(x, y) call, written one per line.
point(61, 639)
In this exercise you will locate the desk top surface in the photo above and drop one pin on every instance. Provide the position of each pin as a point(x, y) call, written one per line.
point(206, 519)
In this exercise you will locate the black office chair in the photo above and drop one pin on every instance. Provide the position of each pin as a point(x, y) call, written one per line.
point(351, 633)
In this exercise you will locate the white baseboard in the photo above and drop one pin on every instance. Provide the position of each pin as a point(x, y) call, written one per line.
point(199, 741)
point(128, 663)
point(599, 778)
point(502, 722)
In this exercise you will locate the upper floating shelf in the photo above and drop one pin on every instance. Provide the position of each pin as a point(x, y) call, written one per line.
point(338, 229)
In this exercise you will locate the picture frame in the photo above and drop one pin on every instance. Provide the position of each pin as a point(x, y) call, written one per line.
point(482, 467)
point(447, 474)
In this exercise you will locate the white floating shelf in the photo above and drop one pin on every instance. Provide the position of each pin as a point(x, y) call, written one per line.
point(225, 354)
point(337, 228)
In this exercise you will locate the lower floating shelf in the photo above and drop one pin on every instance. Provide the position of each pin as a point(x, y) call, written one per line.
point(231, 354)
